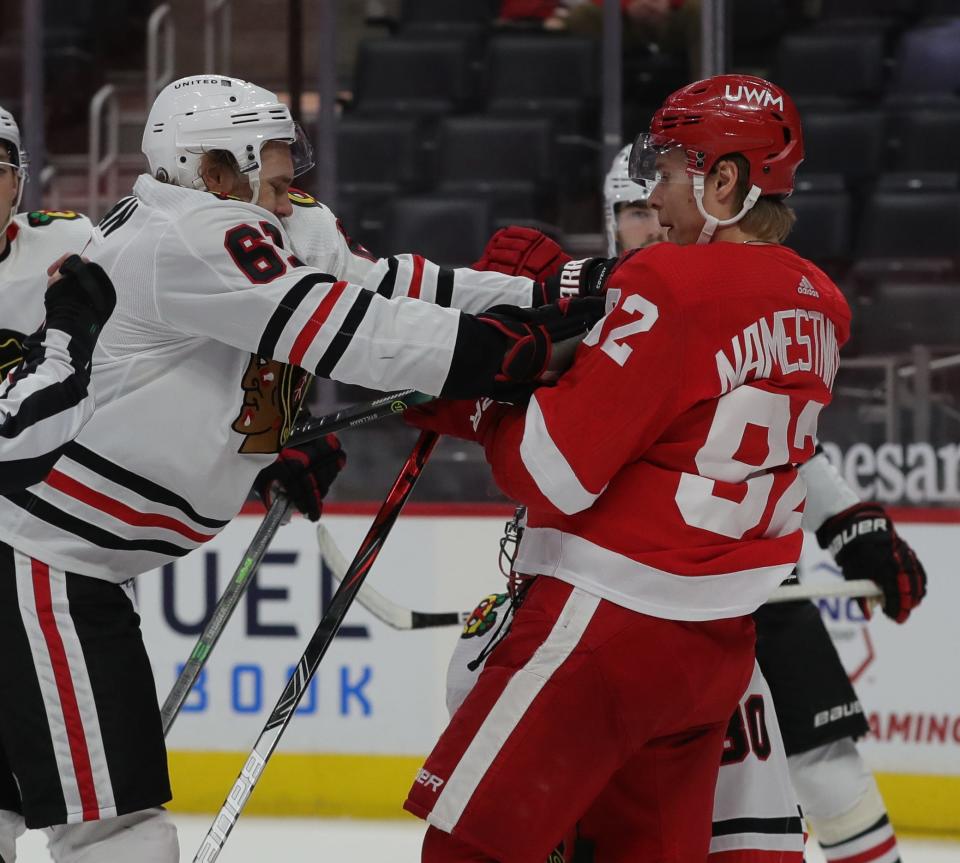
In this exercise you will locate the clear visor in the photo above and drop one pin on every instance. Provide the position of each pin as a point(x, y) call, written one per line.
point(301, 151)
point(657, 159)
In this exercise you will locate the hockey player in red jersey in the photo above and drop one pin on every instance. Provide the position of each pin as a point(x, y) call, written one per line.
point(664, 506)
point(816, 705)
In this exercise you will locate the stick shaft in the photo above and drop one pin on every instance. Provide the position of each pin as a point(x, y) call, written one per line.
point(356, 415)
point(316, 649)
point(224, 610)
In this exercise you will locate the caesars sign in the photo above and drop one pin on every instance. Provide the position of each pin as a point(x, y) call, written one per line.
point(913, 473)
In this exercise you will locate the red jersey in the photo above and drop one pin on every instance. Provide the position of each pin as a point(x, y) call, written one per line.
point(660, 472)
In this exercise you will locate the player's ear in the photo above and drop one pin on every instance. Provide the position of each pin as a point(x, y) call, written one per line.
point(725, 176)
point(216, 176)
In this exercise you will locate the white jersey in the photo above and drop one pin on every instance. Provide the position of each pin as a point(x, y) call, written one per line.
point(34, 241)
point(756, 815)
point(195, 373)
point(46, 401)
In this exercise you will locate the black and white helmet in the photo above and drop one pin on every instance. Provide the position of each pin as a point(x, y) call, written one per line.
point(618, 188)
point(10, 135)
point(200, 113)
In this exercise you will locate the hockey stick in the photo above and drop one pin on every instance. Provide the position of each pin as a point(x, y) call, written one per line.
point(385, 610)
point(224, 609)
point(316, 649)
point(306, 430)
point(398, 617)
point(356, 415)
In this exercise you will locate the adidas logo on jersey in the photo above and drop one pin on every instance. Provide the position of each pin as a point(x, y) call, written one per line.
point(806, 288)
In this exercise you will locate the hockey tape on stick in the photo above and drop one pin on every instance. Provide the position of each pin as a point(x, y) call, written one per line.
point(856, 589)
point(356, 415)
point(385, 610)
point(252, 557)
point(317, 647)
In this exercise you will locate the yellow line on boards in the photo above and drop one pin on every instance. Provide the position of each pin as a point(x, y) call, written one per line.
point(375, 786)
point(318, 784)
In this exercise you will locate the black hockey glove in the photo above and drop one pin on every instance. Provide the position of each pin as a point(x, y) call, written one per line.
point(865, 544)
point(80, 302)
point(507, 351)
point(304, 473)
point(584, 278)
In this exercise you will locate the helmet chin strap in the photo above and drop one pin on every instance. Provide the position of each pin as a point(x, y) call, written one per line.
point(711, 223)
point(15, 206)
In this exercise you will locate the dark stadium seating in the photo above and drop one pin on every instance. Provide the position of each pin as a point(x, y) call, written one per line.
point(867, 8)
point(447, 231)
point(851, 143)
point(831, 64)
point(423, 16)
point(377, 157)
point(554, 75)
point(509, 160)
point(412, 77)
point(894, 316)
point(927, 62)
point(911, 223)
point(927, 139)
point(823, 228)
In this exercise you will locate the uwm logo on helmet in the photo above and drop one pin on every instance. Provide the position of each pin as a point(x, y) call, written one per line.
point(763, 97)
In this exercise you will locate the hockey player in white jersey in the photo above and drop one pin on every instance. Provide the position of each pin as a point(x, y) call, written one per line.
point(198, 375)
point(45, 371)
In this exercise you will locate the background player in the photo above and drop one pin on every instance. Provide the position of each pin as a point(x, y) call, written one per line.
point(46, 401)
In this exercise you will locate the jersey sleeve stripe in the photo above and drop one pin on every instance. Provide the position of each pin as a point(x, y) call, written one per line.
point(548, 466)
point(757, 825)
point(389, 282)
point(120, 511)
point(416, 279)
point(340, 342)
point(306, 335)
point(288, 305)
point(51, 514)
point(444, 287)
point(138, 484)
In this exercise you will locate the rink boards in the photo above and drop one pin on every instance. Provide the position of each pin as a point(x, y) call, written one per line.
point(377, 703)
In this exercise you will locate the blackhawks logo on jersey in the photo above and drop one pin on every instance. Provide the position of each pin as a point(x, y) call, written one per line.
point(272, 394)
point(301, 198)
point(39, 218)
point(484, 616)
point(11, 350)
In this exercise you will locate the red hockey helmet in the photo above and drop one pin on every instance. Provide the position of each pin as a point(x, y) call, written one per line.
point(722, 115)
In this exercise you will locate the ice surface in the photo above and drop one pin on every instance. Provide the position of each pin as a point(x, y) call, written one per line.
point(255, 840)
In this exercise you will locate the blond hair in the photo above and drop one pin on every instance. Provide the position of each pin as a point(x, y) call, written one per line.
point(769, 219)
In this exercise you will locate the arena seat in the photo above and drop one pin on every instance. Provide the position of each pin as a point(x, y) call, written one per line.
point(851, 143)
point(508, 160)
point(927, 139)
point(552, 75)
point(927, 61)
point(377, 157)
point(425, 77)
point(896, 315)
point(911, 224)
point(823, 230)
point(831, 64)
point(447, 231)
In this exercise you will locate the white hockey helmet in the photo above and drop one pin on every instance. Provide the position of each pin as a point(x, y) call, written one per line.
point(10, 135)
point(618, 188)
point(199, 113)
